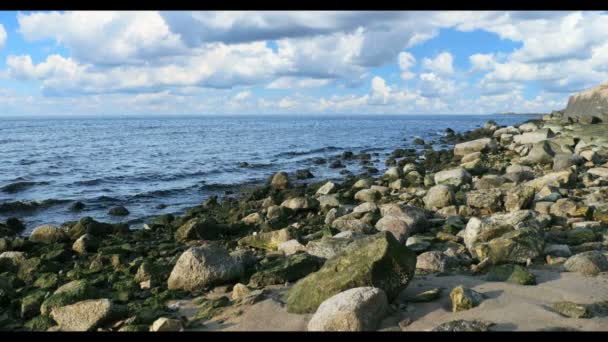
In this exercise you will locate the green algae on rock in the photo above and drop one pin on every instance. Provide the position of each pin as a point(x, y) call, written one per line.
point(379, 261)
point(509, 273)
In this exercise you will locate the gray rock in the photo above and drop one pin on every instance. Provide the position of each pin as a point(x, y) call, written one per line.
point(541, 153)
point(280, 181)
point(519, 197)
point(356, 309)
point(402, 221)
point(456, 177)
point(439, 196)
point(367, 195)
point(479, 145)
point(434, 261)
point(167, 324)
point(201, 267)
point(47, 234)
point(463, 325)
point(485, 199)
point(588, 104)
point(533, 137)
point(326, 189)
point(83, 316)
point(588, 263)
point(301, 203)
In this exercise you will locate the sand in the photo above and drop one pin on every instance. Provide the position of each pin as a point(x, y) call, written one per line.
point(511, 307)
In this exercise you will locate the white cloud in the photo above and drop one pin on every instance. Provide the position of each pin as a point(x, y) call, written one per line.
point(482, 62)
point(243, 95)
point(2, 36)
point(286, 103)
point(287, 82)
point(380, 92)
point(432, 85)
point(406, 61)
point(441, 64)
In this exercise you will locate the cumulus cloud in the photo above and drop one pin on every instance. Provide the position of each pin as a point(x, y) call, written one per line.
point(482, 62)
point(406, 61)
point(287, 82)
point(380, 92)
point(442, 64)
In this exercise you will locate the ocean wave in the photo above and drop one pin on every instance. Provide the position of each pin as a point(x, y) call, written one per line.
point(18, 206)
point(301, 153)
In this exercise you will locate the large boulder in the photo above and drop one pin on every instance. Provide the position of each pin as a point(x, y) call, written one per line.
point(378, 260)
point(358, 309)
point(439, 196)
point(490, 199)
point(588, 104)
point(83, 316)
point(456, 177)
point(200, 267)
point(533, 137)
point(541, 153)
point(479, 145)
point(279, 181)
point(559, 179)
point(402, 220)
point(513, 237)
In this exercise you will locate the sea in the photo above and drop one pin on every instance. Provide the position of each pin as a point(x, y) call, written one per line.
point(159, 165)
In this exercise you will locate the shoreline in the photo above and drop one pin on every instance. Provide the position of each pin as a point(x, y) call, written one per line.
point(273, 240)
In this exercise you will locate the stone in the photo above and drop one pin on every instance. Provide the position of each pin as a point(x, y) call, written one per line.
point(464, 298)
point(456, 177)
point(356, 309)
point(362, 184)
point(367, 207)
point(557, 250)
point(287, 269)
point(541, 153)
point(533, 137)
point(118, 211)
point(253, 219)
point(485, 199)
point(577, 236)
point(563, 161)
point(85, 244)
point(167, 324)
point(393, 173)
point(417, 244)
point(327, 247)
point(463, 325)
point(47, 234)
point(402, 221)
point(488, 182)
point(439, 196)
point(601, 172)
point(326, 189)
point(560, 179)
point(479, 145)
point(328, 201)
point(201, 267)
point(588, 104)
point(572, 310)
point(510, 273)
point(471, 157)
point(379, 261)
point(279, 181)
point(301, 203)
point(66, 294)
point(588, 263)
point(348, 222)
point(434, 261)
point(268, 240)
point(518, 198)
point(291, 247)
point(240, 291)
point(83, 316)
point(426, 296)
point(197, 229)
point(367, 195)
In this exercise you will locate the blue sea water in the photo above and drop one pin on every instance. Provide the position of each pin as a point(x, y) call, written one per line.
point(143, 162)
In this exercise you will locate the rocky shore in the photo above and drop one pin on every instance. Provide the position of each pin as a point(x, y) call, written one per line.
point(506, 231)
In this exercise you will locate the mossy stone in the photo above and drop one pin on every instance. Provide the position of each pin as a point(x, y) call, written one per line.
point(30, 304)
point(509, 273)
point(40, 323)
point(287, 269)
point(211, 307)
point(572, 310)
point(378, 260)
point(70, 293)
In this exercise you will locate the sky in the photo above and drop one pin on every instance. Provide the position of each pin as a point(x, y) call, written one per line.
point(297, 62)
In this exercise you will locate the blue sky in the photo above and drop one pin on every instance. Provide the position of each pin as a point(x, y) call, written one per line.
point(122, 63)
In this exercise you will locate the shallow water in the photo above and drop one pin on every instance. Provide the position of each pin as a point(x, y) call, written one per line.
point(143, 162)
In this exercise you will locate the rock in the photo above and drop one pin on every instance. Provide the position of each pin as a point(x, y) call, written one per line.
point(464, 298)
point(240, 291)
point(367, 195)
point(253, 219)
point(85, 244)
point(579, 236)
point(287, 269)
point(541, 153)
point(197, 229)
point(488, 182)
point(328, 201)
point(455, 177)
point(336, 164)
point(417, 243)
point(560, 179)
point(601, 172)
point(47, 234)
point(426, 296)
point(367, 207)
point(279, 181)
point(393, 173)
point(328, 247)
point(402, 221)
point(463, 325)
point(518, 198)
point(379, 261)
point(563, 161)
point(588, 104)
point(557, 250)
point(512, 237)
point(83, 316)
point(77, 206)
point(200, 267)
point(118, 211)
point(485, 199)
point(347, 222)
point(439, 196)
point(269, 240)
point(572, 310)
point(565, 207)
point(87, 225)
point(167, 324)
point(291, 247)
point(69, 293)
point(479, 145)
point(434, 261)
point(511, 274)
point(533, 137)
point(327, 188)
point(301, 203)
point(397, 184)
point(588, 263)
point(362, 184)
point(356, 309)
point(304, 174)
